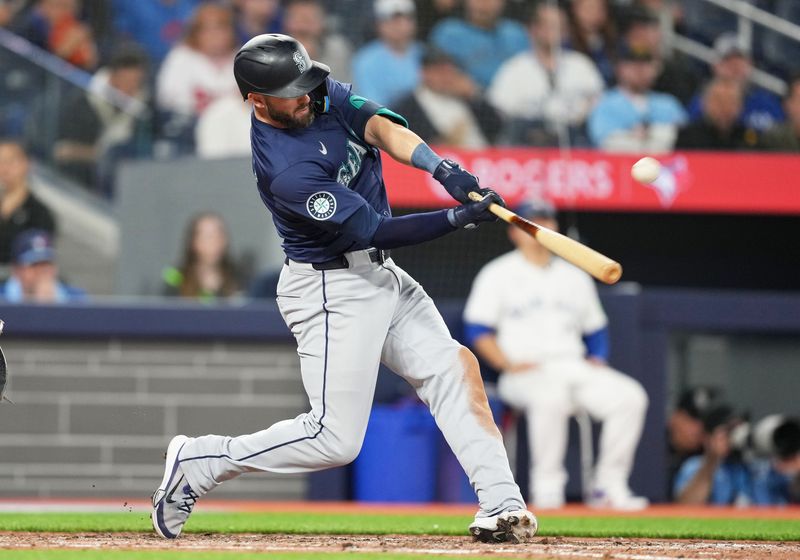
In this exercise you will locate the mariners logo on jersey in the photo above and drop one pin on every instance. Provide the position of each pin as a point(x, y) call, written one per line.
point(321, 205)
point(350, 168)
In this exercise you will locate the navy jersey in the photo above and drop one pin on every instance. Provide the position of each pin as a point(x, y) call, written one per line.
point(314, 179)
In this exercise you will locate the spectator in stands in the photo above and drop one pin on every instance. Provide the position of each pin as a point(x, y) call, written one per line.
point(432, 12)
point(448, 108)
point(685, 434)
point(9, 10)
point(20, 209)
point(546, 91)
point(593, 33)
point(677, 75)
point(34, 273)
point(720, 127)
point(631, 117)
point(55, 26)
point(255, 17)
point(206, 271)
point(305, 21)
point(223, 130)
point(156, 25)
point(99, 126)
point(785, 137)
point(762, 109)
point(538, 320)
point(482, 41)
point(195, 73)
point(388, 68)
point(719, 476)
point(200, 68)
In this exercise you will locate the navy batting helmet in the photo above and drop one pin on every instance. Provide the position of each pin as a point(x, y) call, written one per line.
point(277, 65)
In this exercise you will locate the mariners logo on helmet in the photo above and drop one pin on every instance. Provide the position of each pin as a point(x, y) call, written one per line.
point(321, 205)
point(300, 61)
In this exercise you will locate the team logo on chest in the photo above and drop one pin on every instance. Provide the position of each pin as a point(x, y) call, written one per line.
point(321, 205)
point(350, 167)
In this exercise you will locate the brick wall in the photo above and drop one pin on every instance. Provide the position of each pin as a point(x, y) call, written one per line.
point(93, 418)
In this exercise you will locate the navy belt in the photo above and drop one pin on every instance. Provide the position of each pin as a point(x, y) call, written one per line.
point(340, 262)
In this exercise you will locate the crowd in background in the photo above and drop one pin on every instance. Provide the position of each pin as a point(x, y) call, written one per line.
point(465, 73)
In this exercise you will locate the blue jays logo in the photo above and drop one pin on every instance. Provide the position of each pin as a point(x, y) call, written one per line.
point(350, 168)
point(321, 205)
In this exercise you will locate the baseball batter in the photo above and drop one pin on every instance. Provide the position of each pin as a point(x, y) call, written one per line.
point(317, 163)
point(537, 320)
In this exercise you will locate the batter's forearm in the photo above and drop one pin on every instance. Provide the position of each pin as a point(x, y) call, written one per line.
point(394, 139)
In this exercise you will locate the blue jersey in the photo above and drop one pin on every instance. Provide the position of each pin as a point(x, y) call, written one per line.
point(314, 179)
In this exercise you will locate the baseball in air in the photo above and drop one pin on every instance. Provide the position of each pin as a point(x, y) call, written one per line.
point(646, 170)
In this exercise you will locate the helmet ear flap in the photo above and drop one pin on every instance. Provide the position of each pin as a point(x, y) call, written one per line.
point(320, 99)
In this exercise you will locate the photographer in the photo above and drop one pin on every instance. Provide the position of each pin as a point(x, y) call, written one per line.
point(719, 476)
point(776, 478)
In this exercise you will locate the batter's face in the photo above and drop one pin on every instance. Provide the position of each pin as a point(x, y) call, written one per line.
point(295, 112)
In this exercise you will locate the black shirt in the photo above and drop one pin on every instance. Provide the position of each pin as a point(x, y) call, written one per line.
point(31, 214)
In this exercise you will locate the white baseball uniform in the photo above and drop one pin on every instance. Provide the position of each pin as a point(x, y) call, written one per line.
point(539, 315)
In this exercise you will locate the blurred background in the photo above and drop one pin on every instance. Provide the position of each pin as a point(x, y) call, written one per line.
point(139, 265)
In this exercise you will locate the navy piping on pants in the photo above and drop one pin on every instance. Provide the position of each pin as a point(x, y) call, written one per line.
point(324, 385)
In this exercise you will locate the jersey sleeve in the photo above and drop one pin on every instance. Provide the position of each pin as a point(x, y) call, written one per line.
point(484, 304)
point(305, 190)
point(357, 110)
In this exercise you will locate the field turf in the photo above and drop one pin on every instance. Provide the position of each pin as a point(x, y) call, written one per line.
point(417, 524)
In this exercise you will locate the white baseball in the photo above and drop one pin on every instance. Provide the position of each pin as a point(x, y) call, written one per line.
point(646, 170)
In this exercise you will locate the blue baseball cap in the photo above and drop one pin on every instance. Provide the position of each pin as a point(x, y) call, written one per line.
point(32, 246)
point(536, 208)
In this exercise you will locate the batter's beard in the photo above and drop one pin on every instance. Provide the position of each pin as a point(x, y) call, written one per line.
point(290, 120)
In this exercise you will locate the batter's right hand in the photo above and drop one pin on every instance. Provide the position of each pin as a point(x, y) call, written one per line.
point(456, 181)
point(469, 215)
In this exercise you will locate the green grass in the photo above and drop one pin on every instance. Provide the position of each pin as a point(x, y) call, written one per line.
point(376, 524)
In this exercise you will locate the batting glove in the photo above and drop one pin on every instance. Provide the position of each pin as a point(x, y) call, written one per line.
point(469, 215)
point(456, 181)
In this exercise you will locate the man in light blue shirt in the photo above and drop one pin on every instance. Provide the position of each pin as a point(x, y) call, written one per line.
point(34, 274)
point(482, 41)
point(388, 68)
point(631, 117)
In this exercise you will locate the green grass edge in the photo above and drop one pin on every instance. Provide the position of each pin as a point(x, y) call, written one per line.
point(426, 524)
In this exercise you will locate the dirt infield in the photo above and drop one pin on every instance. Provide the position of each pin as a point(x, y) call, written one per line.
point(545, 547)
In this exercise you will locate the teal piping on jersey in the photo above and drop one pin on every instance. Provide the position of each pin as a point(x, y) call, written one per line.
point(357, 101)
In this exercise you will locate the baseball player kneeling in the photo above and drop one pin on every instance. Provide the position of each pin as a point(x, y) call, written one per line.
point(537, 319)
point(316, 157)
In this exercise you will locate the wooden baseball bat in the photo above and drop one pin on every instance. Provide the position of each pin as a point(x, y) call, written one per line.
point(596, 264)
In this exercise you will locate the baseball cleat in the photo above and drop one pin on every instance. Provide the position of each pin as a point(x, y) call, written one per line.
point(174, 499)
point(508, 527)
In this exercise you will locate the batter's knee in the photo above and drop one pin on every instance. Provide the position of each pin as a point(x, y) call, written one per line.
point(345, 453)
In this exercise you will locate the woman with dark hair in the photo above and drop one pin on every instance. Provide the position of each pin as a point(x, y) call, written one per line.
point(592, 32)
point(206, 270)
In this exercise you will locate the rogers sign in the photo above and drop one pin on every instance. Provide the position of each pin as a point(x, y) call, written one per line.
point(557, 178)
point(592, 180)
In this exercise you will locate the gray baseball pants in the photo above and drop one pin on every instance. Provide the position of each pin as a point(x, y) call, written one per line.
point(346, 322)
